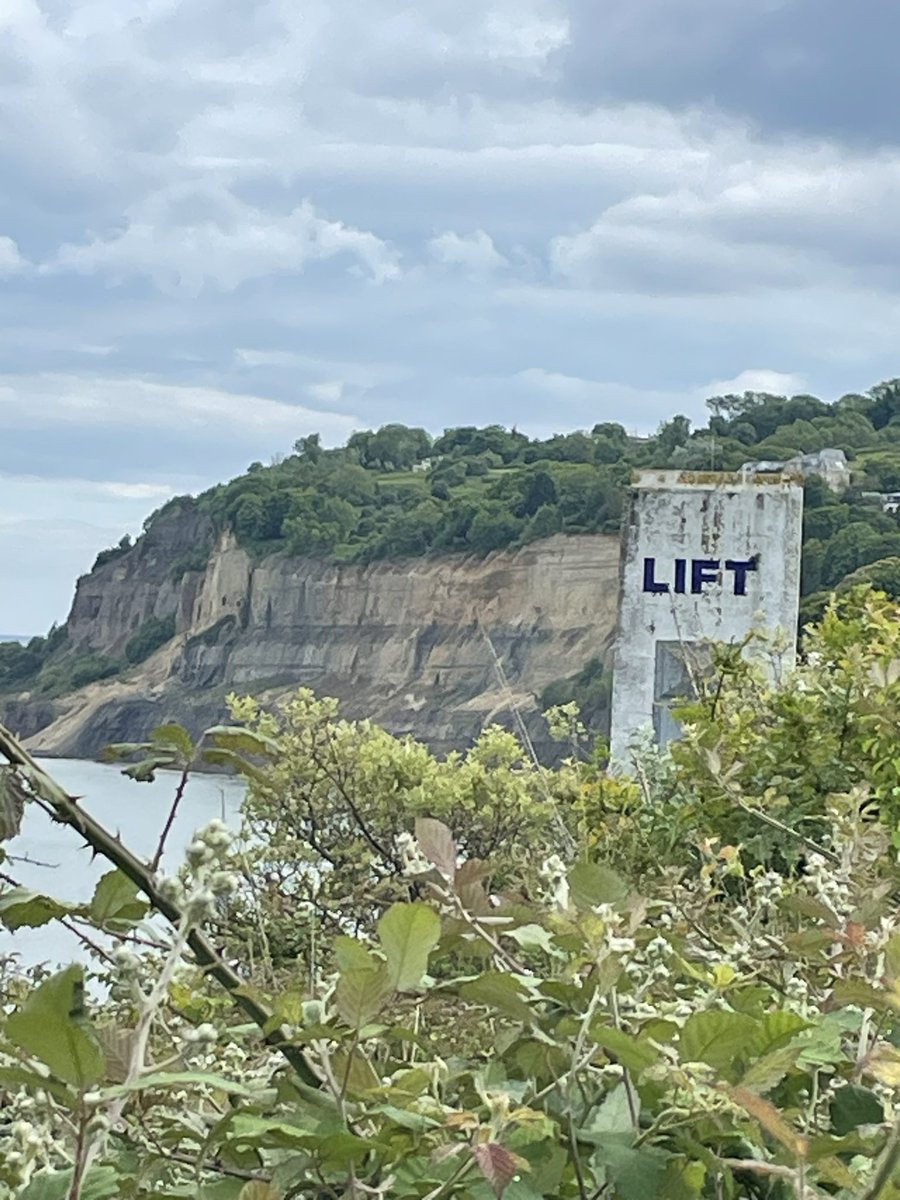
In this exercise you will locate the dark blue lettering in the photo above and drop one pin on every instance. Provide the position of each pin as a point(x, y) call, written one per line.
point(703, 570)
point(650, 583)
point(740, 568)
point(680, 572)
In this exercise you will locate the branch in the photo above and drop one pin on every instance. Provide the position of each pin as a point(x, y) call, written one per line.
point(794, 1176)
point(816, 847)
point(336, 780)
point(884, 1168)
point(64, 809)
point(170, 820)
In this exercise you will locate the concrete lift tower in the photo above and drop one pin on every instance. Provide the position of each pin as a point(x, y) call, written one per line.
point(706, 557)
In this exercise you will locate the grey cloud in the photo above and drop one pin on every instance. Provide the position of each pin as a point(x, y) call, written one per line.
point(575, 211)
point(810, 66)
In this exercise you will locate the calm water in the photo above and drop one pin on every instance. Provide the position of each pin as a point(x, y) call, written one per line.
point(136, 811)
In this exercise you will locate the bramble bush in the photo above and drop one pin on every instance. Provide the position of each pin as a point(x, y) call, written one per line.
point(663, 999)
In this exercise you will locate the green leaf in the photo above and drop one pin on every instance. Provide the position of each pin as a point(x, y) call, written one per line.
point(769, 1070)
point(228, 758)
point(17, 1077)
point(633, 1053)
point(50, 1027)
point(361, 993)
point(174, 735)
point(342, 1149)
point(892, 957)
point(349, 954)
point(243, 741)
point(636, 1173)
point(716, 1038)
point(119, 750)
point(221, 1189)
point(612, 1117)
point(531, 937)
point(352, 1066)
point(853, 1106)
point(101, 1183)
point(116, 899)
point(22, 907)
point(822, 1045)
point(499, 991)
point(860, 994)
point(776, 1029)
point(683, 1180)
point(416, 1121)
point(408, 933)
point(591, 884)
point(145, 770)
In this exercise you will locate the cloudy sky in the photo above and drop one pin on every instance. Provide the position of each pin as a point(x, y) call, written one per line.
point(228, 223)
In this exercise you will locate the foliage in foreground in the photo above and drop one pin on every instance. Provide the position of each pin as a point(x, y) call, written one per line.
point(718, 1017)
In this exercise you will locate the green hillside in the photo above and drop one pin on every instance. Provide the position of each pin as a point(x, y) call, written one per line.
point(398, 492)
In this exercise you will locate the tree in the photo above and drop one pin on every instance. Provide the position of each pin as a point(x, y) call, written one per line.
point(885, 403)
point(851, 547)
point(672, 434)
point(544, 523)
point(392, 447)
point(309, 447)
point(492, 528)
point(883, 575)
point(537, 489)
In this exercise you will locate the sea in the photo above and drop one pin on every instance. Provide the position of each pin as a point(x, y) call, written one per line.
point(51, 858)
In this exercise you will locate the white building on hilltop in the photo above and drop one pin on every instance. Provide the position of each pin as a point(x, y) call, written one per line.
point(706, 557)
point(830, 465)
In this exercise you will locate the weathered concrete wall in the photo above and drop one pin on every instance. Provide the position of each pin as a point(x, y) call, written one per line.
point(705, 557)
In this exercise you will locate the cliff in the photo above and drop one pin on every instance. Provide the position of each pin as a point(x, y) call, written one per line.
point(407, 643)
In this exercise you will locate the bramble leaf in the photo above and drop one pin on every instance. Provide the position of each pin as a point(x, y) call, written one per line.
point(408, 933)
point(50, 1026)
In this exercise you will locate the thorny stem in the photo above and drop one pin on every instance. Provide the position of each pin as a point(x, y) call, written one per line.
point(170, 820)
point(503, 955)
point(634, 1107)
point(219, 1168)
point(576, 1161)
point(61, 807)
point(89, 942)
point(31, 862)
point(795, 1176)
point(579, 1059)
point(768, 819)
point(82, 1156)
point(443, 1189)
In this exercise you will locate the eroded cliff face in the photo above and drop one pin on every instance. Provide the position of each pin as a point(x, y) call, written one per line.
point(410, 644)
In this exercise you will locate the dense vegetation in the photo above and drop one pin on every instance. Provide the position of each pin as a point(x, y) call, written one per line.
point(679, 984)
point(397, 492)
